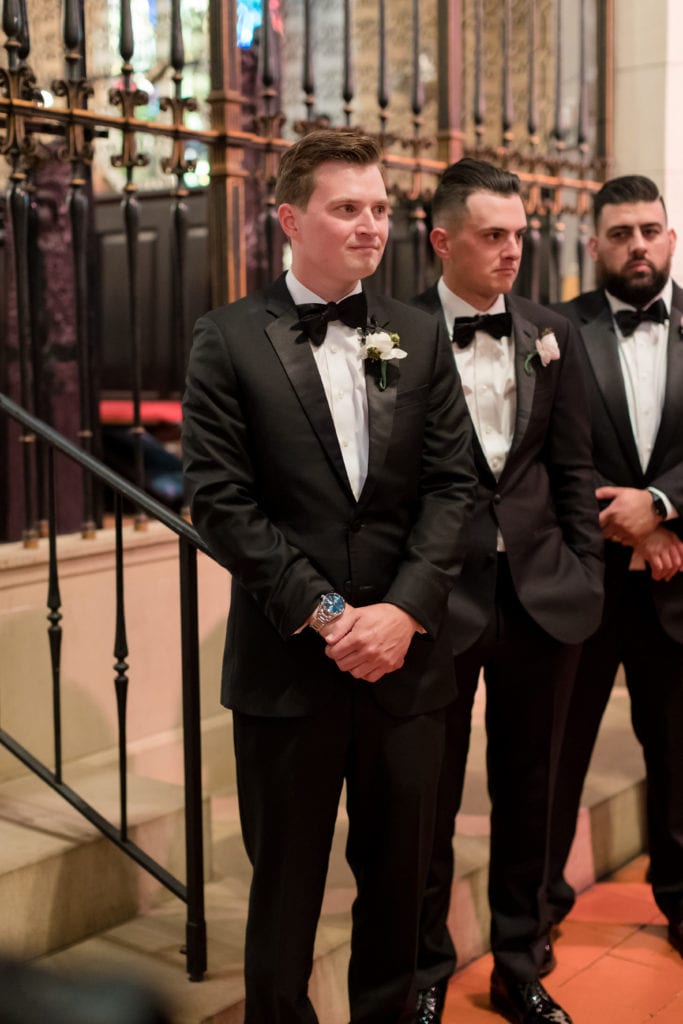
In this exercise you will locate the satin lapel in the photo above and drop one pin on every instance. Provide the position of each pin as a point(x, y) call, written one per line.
point(673, 395)
point(525, 334)
point(600, 341)
point(380, 406)
point(297, 360)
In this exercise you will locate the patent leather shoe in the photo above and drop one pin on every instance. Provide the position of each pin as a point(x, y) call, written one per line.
point(525, 1002)
point(430, 1003)
point(675, 935)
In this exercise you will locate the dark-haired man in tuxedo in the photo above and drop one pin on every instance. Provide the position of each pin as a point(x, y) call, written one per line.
point(530, 589)
point(632, 342)
point(330, 469)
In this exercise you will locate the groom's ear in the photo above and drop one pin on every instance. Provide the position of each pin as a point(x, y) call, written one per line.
point(288, 219)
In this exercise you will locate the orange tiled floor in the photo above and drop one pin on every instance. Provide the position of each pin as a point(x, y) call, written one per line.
point(615, 965)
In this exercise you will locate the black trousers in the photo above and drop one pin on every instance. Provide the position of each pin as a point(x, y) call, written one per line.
point(528, 679)
point(631, 635)
point(290, 773)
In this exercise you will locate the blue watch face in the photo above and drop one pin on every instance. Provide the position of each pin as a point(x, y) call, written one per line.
point(333, 604)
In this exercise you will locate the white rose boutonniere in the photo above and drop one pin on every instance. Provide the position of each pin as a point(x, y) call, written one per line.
point(547, 350)
point(381, 346)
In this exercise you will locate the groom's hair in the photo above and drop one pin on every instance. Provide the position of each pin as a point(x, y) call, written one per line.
point(296, 176)
point(460, 180)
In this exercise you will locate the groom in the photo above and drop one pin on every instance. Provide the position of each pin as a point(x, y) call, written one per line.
point(329, 465)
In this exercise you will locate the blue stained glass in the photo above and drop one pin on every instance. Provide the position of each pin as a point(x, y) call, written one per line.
point(248, 20)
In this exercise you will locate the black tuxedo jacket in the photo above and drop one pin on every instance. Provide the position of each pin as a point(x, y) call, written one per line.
point(271, 498)
point(543, 502)
point(614, 447)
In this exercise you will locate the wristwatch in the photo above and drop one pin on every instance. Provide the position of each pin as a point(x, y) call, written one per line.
point(331, 606)
point(658, 504)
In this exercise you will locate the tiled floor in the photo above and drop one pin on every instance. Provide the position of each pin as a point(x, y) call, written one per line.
point(615, 965)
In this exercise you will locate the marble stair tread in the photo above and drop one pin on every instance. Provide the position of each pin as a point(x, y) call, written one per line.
point(61, 880)
point(36, 822)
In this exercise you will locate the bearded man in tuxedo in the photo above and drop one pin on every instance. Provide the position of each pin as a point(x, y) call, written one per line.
point(330, 470)
point(530, 590)
point(632, 343)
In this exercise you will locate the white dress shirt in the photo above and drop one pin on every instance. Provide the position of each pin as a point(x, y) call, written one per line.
point(642, 356)
point(487, 373)
point(342, 372)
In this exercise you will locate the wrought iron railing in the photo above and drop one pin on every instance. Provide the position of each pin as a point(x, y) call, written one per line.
point(191, 891)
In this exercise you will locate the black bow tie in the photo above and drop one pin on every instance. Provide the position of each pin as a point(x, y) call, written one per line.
point(629, 319)
point(498, 325)
point(315, 316)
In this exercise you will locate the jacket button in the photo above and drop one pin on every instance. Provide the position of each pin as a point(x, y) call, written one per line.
point(356, 526)
point(497, 498)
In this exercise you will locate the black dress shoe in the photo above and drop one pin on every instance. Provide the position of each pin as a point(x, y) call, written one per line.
point(430, 1003)
point(675, 933)
point(525, 1002)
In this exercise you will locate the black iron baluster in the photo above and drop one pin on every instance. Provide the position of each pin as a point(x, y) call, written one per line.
point(557, 243)
point(121, 668)
point(128, 98)
point(582, 132)
point(347, 91)
point(386, 269)
point(40, 384)
point(582, 259)
point(307, 77)
point(17, 83)
point(270, 125)
point(532, 246)
point(382, 83)
point(418, 230)
point(54, 603)
point(79, 153)
point(179, 166)
point(194, 845)
point(479, 98)
point(507, 112)
point(584, 210)
point(559, 130)
point(532, 97)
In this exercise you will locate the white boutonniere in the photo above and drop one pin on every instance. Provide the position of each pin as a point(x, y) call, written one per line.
point(380, 346)
point(547, 350)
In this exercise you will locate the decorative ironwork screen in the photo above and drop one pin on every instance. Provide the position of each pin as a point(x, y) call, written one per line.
point(524, 83)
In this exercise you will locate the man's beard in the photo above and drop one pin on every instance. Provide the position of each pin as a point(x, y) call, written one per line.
point(636, 293)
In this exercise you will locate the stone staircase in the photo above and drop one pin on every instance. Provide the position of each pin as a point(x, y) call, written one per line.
point(72, 903)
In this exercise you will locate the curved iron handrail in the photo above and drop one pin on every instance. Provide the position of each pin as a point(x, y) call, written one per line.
point(189, 542)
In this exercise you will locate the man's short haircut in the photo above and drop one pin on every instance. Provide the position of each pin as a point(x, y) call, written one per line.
point(296, 176)
point(460, 180)
point(630, 188)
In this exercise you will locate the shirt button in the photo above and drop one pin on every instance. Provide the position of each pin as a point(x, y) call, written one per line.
point(345, 444)
point(333, 349)
point(340, 394)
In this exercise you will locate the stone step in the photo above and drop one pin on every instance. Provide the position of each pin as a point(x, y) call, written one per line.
point(60, 879)
point(611, 831)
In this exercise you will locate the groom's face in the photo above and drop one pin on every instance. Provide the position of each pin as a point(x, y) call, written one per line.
point(340, 236)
